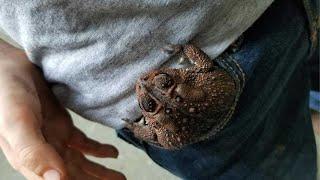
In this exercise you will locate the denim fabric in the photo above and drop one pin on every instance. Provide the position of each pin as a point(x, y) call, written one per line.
point(270, 135)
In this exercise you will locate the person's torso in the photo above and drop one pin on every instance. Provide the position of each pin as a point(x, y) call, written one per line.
point(93, 51)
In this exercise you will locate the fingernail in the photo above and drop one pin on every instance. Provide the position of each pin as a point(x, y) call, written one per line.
point(51, 175)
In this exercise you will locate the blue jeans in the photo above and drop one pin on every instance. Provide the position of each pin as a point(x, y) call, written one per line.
point(270, 135)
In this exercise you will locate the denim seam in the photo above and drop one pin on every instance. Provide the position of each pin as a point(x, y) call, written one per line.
point(235, 73)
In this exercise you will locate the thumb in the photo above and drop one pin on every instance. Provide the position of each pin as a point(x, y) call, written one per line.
point(28, 152)
point(42, 160)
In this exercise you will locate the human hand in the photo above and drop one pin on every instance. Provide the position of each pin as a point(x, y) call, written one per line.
point(36, 133)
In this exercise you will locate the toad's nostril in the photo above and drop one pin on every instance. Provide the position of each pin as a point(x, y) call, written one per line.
point(163, 81)
point(141, 85)
point(138, 87)
point(144, 78)
point(142, 81)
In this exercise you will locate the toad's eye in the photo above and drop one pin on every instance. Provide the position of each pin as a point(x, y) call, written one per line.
point(163, 81)
point(148, 104)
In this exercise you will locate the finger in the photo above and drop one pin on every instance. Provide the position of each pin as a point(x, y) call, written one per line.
point(100, 171)
point(84, 176)
point(12, 160)
point(41, 159)
point(7, 151)
point(73, 159)
point(29, 174)
point(77, 173)
point(29, 148)
point(88, 146)
point(77, 163)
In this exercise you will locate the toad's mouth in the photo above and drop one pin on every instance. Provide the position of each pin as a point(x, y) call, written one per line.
point(142, 121)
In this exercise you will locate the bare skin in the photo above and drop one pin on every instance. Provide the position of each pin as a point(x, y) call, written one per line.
point(36, 133)
point(183, 106)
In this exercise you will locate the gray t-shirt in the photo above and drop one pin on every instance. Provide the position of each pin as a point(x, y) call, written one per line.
point(93, 51)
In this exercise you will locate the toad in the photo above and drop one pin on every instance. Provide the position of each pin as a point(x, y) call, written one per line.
point(184, 106)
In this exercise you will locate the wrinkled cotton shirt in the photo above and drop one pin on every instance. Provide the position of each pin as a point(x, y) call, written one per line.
point(94, 51)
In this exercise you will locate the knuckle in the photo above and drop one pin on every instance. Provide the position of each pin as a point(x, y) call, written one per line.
point(30, 158)
point(15, 165)
point(23, 115)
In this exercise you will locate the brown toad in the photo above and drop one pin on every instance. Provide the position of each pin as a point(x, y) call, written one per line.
point(183, 106)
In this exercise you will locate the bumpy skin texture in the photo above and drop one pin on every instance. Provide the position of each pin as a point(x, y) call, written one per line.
point(183, 106)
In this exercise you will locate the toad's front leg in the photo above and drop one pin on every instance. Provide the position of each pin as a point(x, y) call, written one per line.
point(199, 58)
